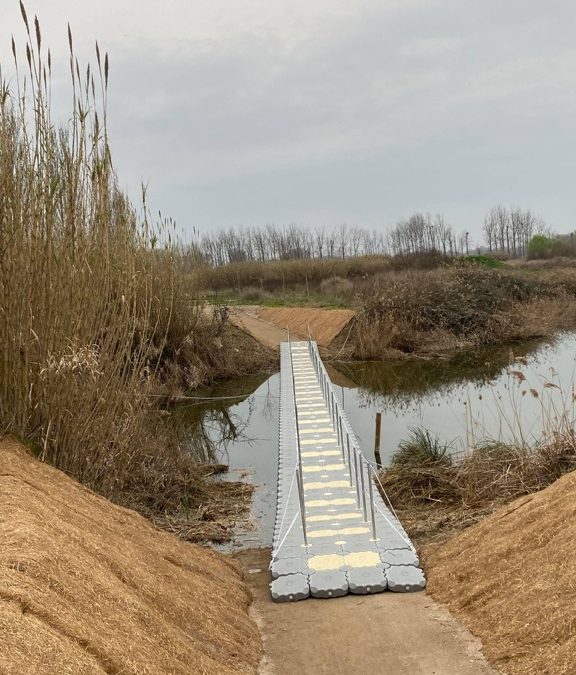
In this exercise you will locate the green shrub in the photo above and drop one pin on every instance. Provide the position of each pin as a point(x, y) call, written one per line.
point(484, 261)
point(540, 247)
point(421, 448)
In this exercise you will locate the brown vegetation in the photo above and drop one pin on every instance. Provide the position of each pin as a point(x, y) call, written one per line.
point(437, 494)
point(88, 587)
point(511, 579)
point(281, 274)
point(97, 319)
point(460, 306)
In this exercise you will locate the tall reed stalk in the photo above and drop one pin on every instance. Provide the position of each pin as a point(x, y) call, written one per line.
point(79, 324)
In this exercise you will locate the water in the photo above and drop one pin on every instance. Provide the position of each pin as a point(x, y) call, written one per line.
point(492, 394)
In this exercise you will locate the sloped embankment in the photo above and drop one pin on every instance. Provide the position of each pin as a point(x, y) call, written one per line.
point(325, 324)
point(512, 581)
point(89, 587)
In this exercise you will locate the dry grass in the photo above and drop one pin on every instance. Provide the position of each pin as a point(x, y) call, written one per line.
point(437, 495)
point(279, 274)
point(88, 587)
point(511, 579)
point(442, 310)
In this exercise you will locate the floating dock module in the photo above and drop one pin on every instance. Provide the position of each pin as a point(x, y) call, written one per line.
point(334, 534)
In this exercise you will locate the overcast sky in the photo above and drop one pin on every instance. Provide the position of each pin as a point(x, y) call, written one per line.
point(321, 112)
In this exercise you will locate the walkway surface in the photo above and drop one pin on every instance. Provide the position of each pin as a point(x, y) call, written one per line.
point(333, 533)
point(388, 633)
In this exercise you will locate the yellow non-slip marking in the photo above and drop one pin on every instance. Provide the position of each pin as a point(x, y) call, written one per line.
point(314, 534)
point(310, 419)
point(321, 406)
point(319, 441)
point(305, 397)
point(349, 515)
point(320, 503)
point(327, 484)
point(323, 467)
point(362, 559)
point(320, 430)
point(321, 453)
point(320, 563)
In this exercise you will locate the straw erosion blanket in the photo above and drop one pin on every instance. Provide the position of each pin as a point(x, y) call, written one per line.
point(512, 580)
point(89, 587)
point(325, 324)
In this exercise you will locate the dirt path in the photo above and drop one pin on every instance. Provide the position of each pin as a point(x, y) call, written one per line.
point(324, 324)
point(246, 317)
point(268, 325)
point(391, 634)
point(267, 334)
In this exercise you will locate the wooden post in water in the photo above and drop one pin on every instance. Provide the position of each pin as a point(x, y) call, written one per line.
point(377, 440)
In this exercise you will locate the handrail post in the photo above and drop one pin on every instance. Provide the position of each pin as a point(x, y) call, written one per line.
point(356, 477)
point(371, 493)
point(363, 489)
point(302, 506)
point(349, 463)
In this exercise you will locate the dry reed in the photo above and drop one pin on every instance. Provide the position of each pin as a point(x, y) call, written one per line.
point(437, 494)
point(96, 313)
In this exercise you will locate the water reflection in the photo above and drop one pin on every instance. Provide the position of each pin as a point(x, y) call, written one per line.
point(404, 384)
point(242, 432)
point(513, 395)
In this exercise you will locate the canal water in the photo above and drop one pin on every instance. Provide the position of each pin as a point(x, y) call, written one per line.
point(517, 394)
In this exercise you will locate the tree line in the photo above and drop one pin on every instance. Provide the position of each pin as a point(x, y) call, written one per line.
point(506, 230)
point(510, 230)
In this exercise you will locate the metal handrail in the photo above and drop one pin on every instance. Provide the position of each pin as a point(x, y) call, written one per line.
point(357, 463)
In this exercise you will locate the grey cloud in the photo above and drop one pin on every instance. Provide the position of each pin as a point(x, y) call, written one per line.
point(362, 117)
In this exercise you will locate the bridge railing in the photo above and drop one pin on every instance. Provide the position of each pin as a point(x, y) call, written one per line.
point(362, 473)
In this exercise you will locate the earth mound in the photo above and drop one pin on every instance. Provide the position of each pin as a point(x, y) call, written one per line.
point(89, 587)
point(325, 324)
point(511, 579)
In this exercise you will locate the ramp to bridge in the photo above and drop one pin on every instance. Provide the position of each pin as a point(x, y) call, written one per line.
point(334, 534)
